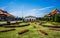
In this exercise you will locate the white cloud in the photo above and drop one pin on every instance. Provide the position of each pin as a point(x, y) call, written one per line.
point(17, 13)
point(37, 12)
point(32, 12)
point(46, 8)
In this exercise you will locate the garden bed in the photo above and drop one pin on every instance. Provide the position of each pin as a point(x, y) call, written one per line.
point(52, 26)
point(43, 32)
point(23, 31)
point(11, 26)
point(55, 29)
point(7, 30)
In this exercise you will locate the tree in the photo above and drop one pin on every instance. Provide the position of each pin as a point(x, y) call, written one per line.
point(55, 18)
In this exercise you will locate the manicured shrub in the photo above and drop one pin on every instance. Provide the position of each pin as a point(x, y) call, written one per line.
point(8, 23)
point(35, 23)
point(40, 23)
point(54, 29)
point(53, 23)
point(7, 30)
point(56, 26)
point(34, 26)
point(25, 25)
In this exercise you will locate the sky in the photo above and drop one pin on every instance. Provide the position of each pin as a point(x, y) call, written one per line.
point(24, 8)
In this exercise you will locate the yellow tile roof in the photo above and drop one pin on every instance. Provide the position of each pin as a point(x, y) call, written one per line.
point(52, 13)
point(5, 13)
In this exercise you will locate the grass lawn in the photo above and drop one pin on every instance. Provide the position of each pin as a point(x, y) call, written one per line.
point(32, 33)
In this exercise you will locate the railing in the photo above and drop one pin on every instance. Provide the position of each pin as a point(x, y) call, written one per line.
point(5, 22)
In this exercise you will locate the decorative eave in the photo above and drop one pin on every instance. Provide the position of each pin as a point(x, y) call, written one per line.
point(52, 13)
point(5, 13)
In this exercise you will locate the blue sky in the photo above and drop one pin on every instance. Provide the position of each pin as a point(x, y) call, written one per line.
point(29, 7)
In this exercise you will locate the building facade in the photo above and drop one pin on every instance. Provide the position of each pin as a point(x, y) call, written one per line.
point(53, 15)
point(30, 18)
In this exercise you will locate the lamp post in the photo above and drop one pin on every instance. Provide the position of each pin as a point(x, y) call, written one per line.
point(22, 13)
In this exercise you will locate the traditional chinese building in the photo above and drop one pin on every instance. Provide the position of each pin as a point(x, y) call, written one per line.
point(53, 15)
point(5, 16)
point(55, 11)
point(30, 18)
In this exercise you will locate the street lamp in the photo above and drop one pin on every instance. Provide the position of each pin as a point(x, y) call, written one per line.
point(22, 13)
